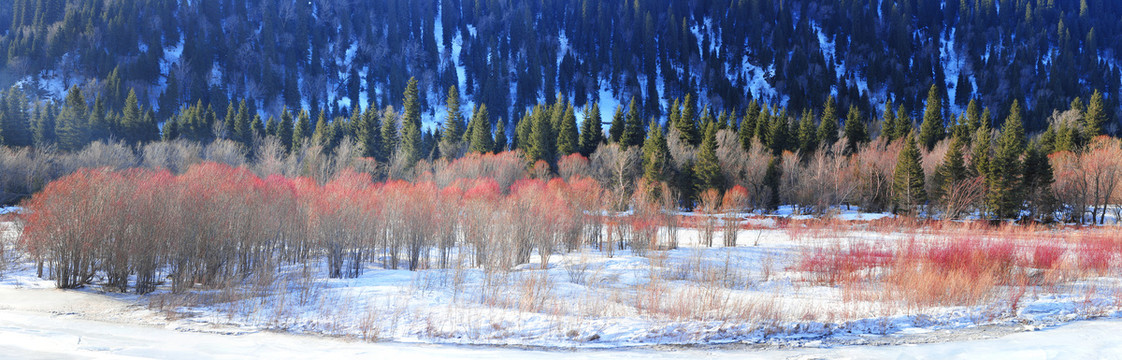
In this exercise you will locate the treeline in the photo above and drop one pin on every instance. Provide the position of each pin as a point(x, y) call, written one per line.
point(890, 162)
point(336, 55)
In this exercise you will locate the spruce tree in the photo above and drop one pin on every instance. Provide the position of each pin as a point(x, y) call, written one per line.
point(284, 130)
point(591, 132)
point(302, 130)
point(707, 170)
point(44, 128)
point(370, 134)
point(908, 189)
point(633, 132)
point(1037, 183)
point(973, 117)
point(828, 128)
point(243, 124)
point(951, 172)
point(73, 122)
point(271, 127)
point(772, 176)
point(481, 140)
point(542, 142)
point(688, 130)
point(747, 128)
point(888, 122)
point(903, 123)
point(323, 132)
point(100, 127)
point(778, 138)
point(131, 121)
point(615, 132)
point(500, 136)
point(1004, 181)
point(15, 123)
point(390, 136)
point(229, 123)
point(808, 135)
point(932, 129)
point(656, 156)
point(855, 131)
point(411, 147)
point(568, 138)
point(454, 131)
point(1095, 117)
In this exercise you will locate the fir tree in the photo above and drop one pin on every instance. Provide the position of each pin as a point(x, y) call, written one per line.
point(500, 136)
point(616, 129)
point(951, 172)
point(15, 124)
point(284, 130)
point(453, 132)
point(688, 130)
point(707, 170)
point(1095, 117)
point(973, 117)
point(411, 146)
point(903, 123)
point(323, 132)
point(932, 129)
point(100, 127)
point(390, 134)
point(271, 127)
point(73, 122)
point(633, 132)
point(132, 125)
point(542, 142)
point(908, 189)
point(828, 128)
point(568, 138)
point(855, 131)
point(656, 156)
point(591, 132)
point(747, 128)
point(778, 138)
point(1004, 180)
point(1037, 183)
point(481, 140)
point(302, 130)
point(888, 122)
point(772, 177)
point(370, 134)
point(808, 135)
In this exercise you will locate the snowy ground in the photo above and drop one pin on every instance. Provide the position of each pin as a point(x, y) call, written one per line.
point(663, 304)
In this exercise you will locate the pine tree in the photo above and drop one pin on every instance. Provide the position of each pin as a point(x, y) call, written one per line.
point(748, 126)
point(973, 117)
point(284, 130)
point(243, 124)
point(772, 177)
point(633, 132)
point(903, 123)
point(132, 122)
point(411, 147)
point(15, 124)
point(568, 138)
point(1037, 183)
point(1004, 180)
point(808, 135)
point(453, 132)
point(542, 142)
point(888, 122)
point(73, 122)
point(370, 134)
point(828, 128)
point(44, 128)
point(481, 140)
point(302, 130)
point(778, 138)
point(656, 156)
point(855, 131)
point(932, 129)
point(390, 136)
point(908, 189)
point(229, 123)
point(616, 129)
point(591, 132)
point(951, 172)
point(688, 130)
point(500, 136)
point(100, 127)
point(707, 170)
point(1095, 117)
point(323, 132)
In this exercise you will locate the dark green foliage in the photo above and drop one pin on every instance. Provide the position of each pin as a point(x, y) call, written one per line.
point(302, 131)
point(932, 129)
point(908, 189)
point(747, 129)
point(591, 131)
point(633, 131)
point(656, 156)
point(1037, 184)
point(1095, 117)
point(411, 147)
point(73, 122)
point(615, 132)
point(568, 138)
point(807, 135)
point(951, 172)
point(481, 139)
point(707, 170)
point(1004, 181)
point(828, 127)
point(856, 133)
point(687, 123)
point(500, 136)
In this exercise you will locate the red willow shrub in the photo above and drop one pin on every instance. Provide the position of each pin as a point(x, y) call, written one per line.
point(216, 225)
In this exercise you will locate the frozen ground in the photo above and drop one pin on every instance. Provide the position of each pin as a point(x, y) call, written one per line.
point(47, 323)
point(695, 300)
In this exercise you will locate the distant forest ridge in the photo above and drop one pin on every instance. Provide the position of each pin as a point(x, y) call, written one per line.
point(331, 55)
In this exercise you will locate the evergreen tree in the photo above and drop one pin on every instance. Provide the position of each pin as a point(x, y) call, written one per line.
point(243, 124)
point(390, 135)
point(855, 131)
point(747, 128)
point(323, 132)
point(616, 129)
point(903, 123)
point(302, 130)
point(932, 129)
point(591, 132)
point(707, 170)
point(1095, 117)
point(656, 156)
point(481, 140)
point(772, 177)
point(44, 126)
point(73, 122)
point(1004, 180)
point(828, 128)
point(15, 124)
point(808, 135)
point(1037, 183)
point(973, 117)
point(500, 136)
point(271, 127)
point(688, 130)
point(132, 125)
point(370, 134)
point(542, 142)
point(284, 130)
point(568, 139)
point(908, 189)
point(778, 138)
point(411, 147)
point(100, 128)
point(888, 122)
point(633, 132)
point(454, 131)
point(951, 172)
point(229, 123)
